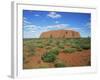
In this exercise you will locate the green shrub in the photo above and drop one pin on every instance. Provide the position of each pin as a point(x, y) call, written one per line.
point(48, 47)
point(85, 46)
point(48, 57)
point(47, 44)
point(61, 46)
point(69, 50)
point(51, 55)
point(77, 46)
point(59, 65)
point(50, 40)
point(79, 49)
point(81, 44)
point(39, 41)
point(54, 51)
point(40, 46)
point(57, 43)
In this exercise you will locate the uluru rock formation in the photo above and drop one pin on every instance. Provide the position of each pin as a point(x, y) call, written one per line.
point(60, 34)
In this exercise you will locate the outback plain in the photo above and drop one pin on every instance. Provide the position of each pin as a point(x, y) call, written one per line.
point(54, 52)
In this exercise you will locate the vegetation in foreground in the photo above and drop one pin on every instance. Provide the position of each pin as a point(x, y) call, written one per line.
point(48, 50)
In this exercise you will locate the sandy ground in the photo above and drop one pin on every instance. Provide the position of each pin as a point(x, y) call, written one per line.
point(76, 59)
point(81, 58)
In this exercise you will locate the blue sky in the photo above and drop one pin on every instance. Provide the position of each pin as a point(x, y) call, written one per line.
point(36, 22)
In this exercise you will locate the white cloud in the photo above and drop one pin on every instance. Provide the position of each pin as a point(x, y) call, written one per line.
point(26, 22)
point(57, 27)
point(63, 27)
point(56, 22)
point(36, 15)
point(54, 15)
point(31, 31)
point(88, 24)
point(30, 27)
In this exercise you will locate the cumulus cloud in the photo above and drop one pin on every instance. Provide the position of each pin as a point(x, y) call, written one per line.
point(54, 15)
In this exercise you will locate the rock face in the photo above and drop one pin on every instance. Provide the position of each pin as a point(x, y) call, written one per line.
point(60, 34)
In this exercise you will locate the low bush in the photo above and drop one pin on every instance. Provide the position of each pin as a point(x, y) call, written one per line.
point(54, 51)
point(79, 49)
point(40, 46)
point(50, 40)
point(59, 65)
point(61, 46)
point(47, 44)
point(69, 50)
point(57, 43)
point(48, 47)
point(77, 46)
point(49, 57)
point(85, 46)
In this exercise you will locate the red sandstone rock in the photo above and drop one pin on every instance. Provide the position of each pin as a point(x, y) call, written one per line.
point(60, 34)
